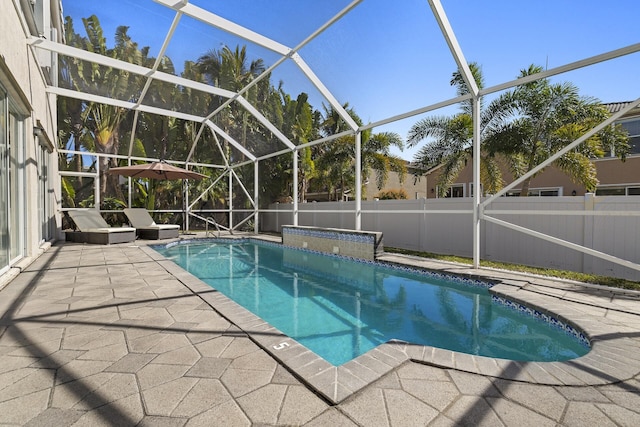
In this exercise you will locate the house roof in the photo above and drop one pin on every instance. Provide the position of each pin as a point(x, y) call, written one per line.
point(614, 107)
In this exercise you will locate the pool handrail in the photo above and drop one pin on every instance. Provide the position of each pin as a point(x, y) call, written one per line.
point(209, 220)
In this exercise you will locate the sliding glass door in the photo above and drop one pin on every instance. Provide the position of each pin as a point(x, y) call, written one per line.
point(12, 182)
point(4, 181)
point(16, 186)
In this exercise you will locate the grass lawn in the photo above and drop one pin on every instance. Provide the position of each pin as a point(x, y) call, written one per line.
point(571, 275)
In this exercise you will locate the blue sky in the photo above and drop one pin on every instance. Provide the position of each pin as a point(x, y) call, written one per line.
point(388, 57)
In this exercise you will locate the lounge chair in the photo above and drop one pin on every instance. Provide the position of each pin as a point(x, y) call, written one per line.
point(146, 226)
point(94, 229)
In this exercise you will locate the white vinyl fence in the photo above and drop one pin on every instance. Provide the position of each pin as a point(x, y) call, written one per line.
point(606, 224)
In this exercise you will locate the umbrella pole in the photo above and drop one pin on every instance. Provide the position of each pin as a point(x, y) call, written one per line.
point(185, 207)
point(185, 202)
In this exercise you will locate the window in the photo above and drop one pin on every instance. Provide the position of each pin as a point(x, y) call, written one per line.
point(627, 190)
point(4, 181)
point(536, 192)
point(633, 127)
point(471, 189)
point(44, 208)
point(610, 191)
point(12, 180)
point(544, 192)
point(454, 190)
point(16, 184)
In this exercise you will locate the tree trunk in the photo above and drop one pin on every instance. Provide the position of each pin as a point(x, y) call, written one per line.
point(524, 192)
point(77, 146)
point(76, 130)
point(302, 189)
point(108, 181)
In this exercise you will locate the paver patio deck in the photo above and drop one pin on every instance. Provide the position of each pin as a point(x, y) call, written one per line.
point(113, 335)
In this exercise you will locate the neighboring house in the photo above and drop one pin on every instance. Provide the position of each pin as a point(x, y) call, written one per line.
point(615, 176)
point(415, 186)
point(622, 178)
point(28, 160)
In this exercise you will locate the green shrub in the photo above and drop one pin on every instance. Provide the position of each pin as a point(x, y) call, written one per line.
point(393, 194)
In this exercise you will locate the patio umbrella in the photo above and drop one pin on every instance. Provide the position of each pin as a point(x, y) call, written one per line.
point(158, 170)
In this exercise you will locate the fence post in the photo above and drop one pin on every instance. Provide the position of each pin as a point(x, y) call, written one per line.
point(314, 214)
point(423, 227)
point(587, 237)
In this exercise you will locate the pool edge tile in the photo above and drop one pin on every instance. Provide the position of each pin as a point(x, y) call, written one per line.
point(389, 354)
point(465, 362)
point(374, 364)
point(338, 383)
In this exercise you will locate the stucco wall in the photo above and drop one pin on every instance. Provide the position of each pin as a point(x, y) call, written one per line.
point(25, 82)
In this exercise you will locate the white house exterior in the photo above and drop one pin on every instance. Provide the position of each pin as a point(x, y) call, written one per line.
point(28, 158)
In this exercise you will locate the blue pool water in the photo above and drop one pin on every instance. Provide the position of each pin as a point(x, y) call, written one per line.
point(341, 308)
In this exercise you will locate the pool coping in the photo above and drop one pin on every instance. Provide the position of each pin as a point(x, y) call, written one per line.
point(611, 359)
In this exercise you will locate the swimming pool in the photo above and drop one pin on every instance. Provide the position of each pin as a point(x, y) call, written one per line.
point(341, 308)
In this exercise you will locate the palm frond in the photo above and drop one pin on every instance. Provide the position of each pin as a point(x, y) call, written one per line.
point(450, 170)
point(428, 127)
point(580, 169)
point(490, 175)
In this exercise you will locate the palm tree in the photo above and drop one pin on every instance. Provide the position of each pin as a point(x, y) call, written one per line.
point(102, 122)
point(71, 129)
point(452, 138)
point(297, 125)
point(337, 158)
point(547, 117)
point(229, 69)
point(523, 127)
point(376, 156)
point(335, 166)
